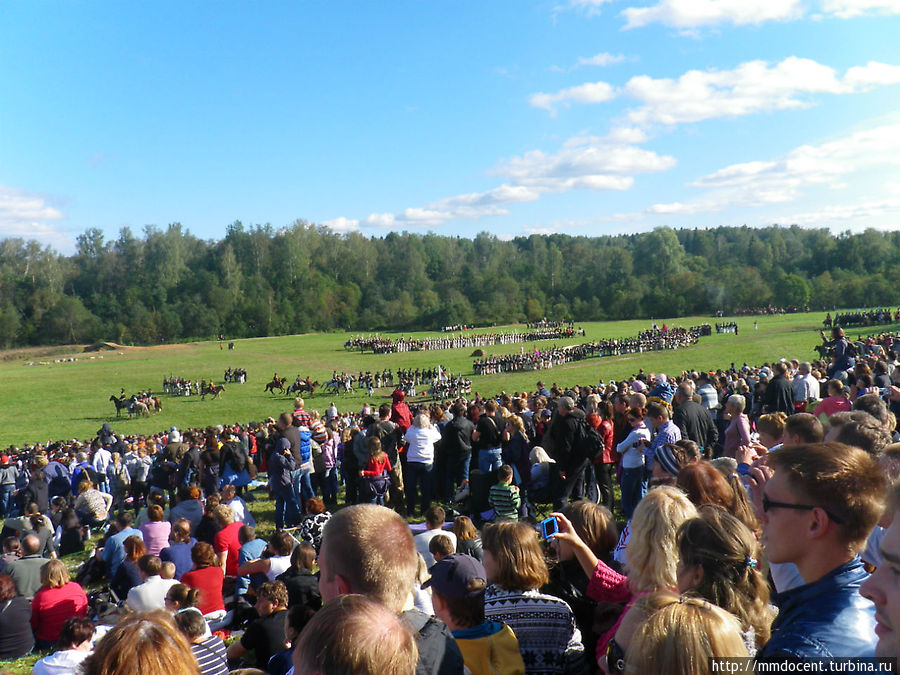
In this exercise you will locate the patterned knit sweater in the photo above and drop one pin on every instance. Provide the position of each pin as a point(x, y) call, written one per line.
point(549, 640)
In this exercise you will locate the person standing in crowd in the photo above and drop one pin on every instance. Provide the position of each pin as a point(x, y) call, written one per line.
point(817, 504)
point(570, 463)
point(694, 419)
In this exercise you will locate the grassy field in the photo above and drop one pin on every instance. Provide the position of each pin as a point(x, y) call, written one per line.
point(71, 399)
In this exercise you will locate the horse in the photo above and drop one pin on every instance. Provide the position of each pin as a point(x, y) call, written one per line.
point(212, 389)
point(336, 386)
point(121, 404)
point(309, 387)
point(276, 383)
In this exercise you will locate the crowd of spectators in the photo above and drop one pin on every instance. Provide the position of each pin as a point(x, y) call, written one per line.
point(757, 500)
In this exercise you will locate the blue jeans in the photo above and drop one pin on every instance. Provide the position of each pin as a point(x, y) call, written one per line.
point(418, 475)
point(6, 501)
point(457, 474)
point(302, 484)
point(490, 460)
point(328, 481)
point(633, 489)
point(286, 512)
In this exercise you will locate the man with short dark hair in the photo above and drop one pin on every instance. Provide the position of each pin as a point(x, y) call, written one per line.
point(779, 396)
point(151, 594)
point(434, 523)
point(26, 571)
point(666, 430)
point(817, 504)
point(114, 549)
point(860, 430)
point(457, 447)
point(802, 428)
point(882, 587)
point(694, 420)
point(570, 464)
point(265, 635)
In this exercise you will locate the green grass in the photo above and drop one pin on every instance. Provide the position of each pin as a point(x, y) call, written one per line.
point(71, 400)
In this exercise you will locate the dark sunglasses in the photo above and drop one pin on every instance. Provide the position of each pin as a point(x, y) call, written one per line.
point(769, 504)
point(615, 657)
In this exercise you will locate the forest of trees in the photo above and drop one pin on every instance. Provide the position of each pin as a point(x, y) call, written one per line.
point(169, 285)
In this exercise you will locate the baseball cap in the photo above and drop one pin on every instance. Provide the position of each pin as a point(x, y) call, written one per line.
point(451, 575)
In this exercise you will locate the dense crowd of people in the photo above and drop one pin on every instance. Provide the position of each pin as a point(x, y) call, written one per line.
point(758, 506)
point(382, 345)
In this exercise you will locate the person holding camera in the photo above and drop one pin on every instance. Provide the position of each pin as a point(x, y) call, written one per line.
point(634, 487)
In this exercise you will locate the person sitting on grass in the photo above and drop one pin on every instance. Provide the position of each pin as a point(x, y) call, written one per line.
point(440, 547)
point(265, 636)
point(73, 646)
point(59, 599)
point(208, 649)
point(504, 496)
point(457, 585)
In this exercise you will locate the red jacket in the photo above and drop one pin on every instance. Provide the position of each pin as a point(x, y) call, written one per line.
point(52, 607)
point(207, 580)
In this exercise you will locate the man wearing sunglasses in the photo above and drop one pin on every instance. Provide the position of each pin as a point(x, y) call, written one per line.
point(817, 504)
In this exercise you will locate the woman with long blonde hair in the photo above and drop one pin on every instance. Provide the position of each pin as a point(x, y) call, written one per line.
point(652, 553)
point(681, 637)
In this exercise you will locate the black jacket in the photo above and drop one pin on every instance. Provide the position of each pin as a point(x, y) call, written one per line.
point(779, 396)
point(457, 437)
point(696, 424)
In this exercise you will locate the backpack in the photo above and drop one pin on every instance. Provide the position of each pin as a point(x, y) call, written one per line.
point(588, 443)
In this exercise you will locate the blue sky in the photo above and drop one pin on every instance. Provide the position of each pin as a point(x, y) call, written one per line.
point(579, 116)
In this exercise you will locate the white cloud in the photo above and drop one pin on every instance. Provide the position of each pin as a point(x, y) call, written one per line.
point(602, 59)
point(846, 9)
point(28, 215)
point(591, 160)
point(583, 163)
point(688, 15)
point(753, 184)
point(590, 92)
point(342, 224)
point(752, 87)
point(385, 220)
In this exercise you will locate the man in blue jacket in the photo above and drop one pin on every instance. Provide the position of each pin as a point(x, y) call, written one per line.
point(818, 503)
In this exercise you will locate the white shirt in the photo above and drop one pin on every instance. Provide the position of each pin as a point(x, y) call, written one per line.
point(149, 595)
point(65, 662)
point(423, 539)
point(241, 512)
point(805, 387)
point(633, 457)
point(101, 461)
point(421, 443)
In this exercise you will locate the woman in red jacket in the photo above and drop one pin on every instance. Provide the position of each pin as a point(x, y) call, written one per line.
point(207, 577)
point(58, 600)
point(605, 466)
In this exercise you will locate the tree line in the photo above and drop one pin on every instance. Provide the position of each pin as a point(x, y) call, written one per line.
point(169, 285)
